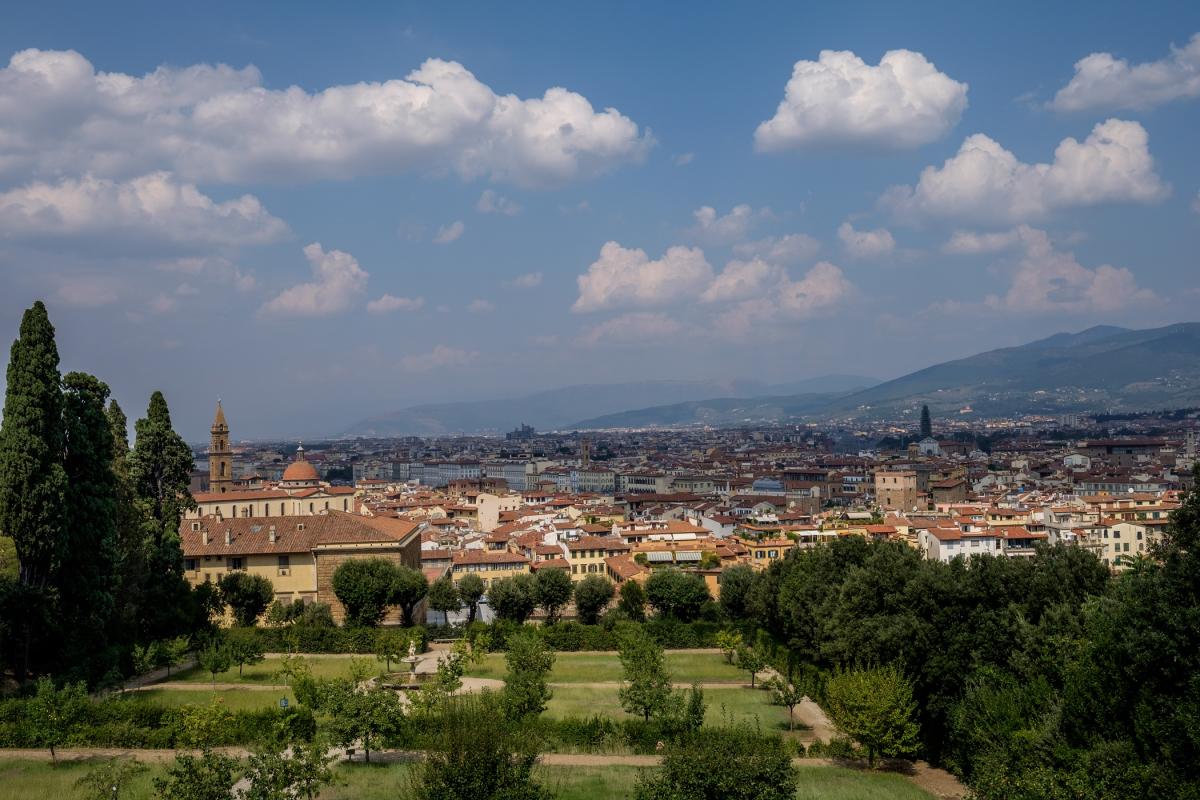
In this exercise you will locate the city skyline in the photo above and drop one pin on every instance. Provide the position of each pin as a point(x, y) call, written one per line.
point(320, 218)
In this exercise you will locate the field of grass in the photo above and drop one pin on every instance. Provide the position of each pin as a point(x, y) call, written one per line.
point(724, 706)
point(234, 699)
point(30, 780)
point(685, 668)
point(266, 672)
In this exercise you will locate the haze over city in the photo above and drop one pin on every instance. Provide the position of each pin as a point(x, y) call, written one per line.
point(321, 217)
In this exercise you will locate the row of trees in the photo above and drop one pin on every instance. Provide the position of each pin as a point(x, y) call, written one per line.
point(94, 523)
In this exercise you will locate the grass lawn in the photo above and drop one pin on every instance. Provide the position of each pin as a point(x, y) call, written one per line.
point(234, 699)
point(265, 673)
point(724, 705)
point(30, 780)
point(685, 668)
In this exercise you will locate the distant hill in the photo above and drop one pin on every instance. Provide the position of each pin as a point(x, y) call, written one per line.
point(558, 408)
point(1104, 368)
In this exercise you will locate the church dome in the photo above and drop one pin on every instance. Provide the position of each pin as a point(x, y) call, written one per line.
point(300, 472)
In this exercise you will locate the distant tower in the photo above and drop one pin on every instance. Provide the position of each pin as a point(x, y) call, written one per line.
point(585, 452)
point(220, 458)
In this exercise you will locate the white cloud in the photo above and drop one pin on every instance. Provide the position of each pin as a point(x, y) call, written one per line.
point(732, 227)
point(627, 277)
point(791, 249)
point(970, 243)
point(1196, 203)
point(481, 306)
point(683, 159)
point(1050, 280)
point(389, 303)
point(528, 281)
point(154, 209)
point(440, 357)
point(163, 304)
point(1103, 81)
point(866, 244)
point(448, 233)
point(85, 291)
point(822, 288)
point(839, 100)
point(638, 327)
point(214, 268)
point(741, 279)
point(986, 182)
point(215, 123)
point(492, 203)
point(337, 282)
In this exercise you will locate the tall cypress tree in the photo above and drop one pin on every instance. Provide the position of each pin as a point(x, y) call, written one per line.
point(926, 423)
point(132, 546)
point(32, 479)
point(85, 574)
point(160, 467)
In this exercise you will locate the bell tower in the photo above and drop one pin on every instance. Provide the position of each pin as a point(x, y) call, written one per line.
point(220, 458)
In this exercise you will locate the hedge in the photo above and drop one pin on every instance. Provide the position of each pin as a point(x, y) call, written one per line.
point(320, 639)
point(573, 636)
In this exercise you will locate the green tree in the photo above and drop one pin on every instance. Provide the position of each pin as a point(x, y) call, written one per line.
point(722, 764)
point(926, 423)
point(529, 663)
point(735, 584)
point(246, 595)
point(409, 588)
point(170, 652)
point(786, 694)
point(391, 645)
point(470, 590)
point(751, 660)
point(53, 712)
point(214, 659)
point(632, 601)
point(443, 597)
point(646, 684)
point(874, 707)
point(592, 596)
point(513, 599)
point(362, 716)
point(244, 647)
point(729, 642)
point(677, 594)
point(109, 779)
point(297, 773)
point(553, 591)
point(209, 776)
point(365, 588)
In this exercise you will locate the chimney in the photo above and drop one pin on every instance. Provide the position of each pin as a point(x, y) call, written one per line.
point(271, 535)
point(228, 536)
point(204, 537)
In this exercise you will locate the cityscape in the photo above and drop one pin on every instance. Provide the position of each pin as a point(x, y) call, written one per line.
point(608, 401)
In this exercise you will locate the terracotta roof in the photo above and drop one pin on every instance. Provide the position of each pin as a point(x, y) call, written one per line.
point(292, 534)
point(301, 471)
point(488, 557)
point(235, 497)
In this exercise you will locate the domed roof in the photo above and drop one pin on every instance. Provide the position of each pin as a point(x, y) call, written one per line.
point(300, 472)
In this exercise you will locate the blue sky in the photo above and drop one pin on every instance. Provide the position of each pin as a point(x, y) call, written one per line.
point(896, 212)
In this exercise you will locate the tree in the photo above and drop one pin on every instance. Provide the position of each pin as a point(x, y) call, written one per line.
point(109, 779)
point(170, 652)
point(209, 776)
point(529, 663)
point(751, 660)
point(926, 423)
point(633, 601)
point(214, 659)
point(722, 764)
point(246, 595)
point(295, 774)
point(646, 684)
point(53, 712)
point(443, 597)
point(553, 591)
point(365, 587)
point(592, 596)
point(874, 707)
point(132, 550)
point(676, 594)
point(244, 647)
point(513, 599)
point(409, 588)
point(362, 715)
point(787, 695)
point(735, 590)
point(391, 645)
point(470, 590)
point(729, 642)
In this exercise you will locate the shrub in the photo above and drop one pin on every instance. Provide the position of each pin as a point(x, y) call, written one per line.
point(723, 764)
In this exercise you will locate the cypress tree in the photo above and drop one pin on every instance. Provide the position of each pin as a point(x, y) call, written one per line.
point(85, 575)
point(926, 423)
point(32, 479)
point(132, 550)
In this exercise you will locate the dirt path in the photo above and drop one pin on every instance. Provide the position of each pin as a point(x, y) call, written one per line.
point(212, 687)
point(617, 685)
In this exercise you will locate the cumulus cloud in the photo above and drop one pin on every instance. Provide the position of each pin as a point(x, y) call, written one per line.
point(163, 303)
point(1103, 81)
point(716, 229)
point(984, 181)
point(529, 280)
point(155, 210)
point(481, 306)
point(1047, 279)
point(492, 203)
point(216, 123)
point(440, 357)
point(337, 283)
point(624, 276)
point(449, 233)
point(969, 243)
point(839, 99)
point(634, 327)
point(85, 291)
point(213, 268)
point(866, 244)
point(388, 303)
point(790, 249)
point(741, 279)
point(683, 159)
point(821, 289)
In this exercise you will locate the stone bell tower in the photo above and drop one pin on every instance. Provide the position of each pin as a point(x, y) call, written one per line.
point(220, 458)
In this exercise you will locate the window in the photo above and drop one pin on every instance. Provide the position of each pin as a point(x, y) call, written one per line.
point(284, 562)
point(189, 564)
point(237, 562)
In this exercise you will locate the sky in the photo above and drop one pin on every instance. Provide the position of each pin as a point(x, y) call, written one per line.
point(321, 212)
